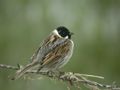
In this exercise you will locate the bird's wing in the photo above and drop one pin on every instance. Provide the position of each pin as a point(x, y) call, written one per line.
point(47, 45)
point(59, 52)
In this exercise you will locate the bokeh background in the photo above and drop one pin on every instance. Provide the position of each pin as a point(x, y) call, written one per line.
point(96, 24)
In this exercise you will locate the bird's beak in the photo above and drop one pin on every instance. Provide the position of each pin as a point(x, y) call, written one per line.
point(71, 33)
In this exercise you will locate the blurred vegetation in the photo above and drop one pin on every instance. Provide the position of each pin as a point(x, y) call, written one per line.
point(96, 24)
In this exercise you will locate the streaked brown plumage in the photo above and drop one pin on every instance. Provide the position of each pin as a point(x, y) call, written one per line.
point(55, 52)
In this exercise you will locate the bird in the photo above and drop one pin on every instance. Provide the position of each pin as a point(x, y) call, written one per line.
point(54, 52)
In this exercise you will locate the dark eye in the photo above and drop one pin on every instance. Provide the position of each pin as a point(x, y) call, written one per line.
point(63, 31)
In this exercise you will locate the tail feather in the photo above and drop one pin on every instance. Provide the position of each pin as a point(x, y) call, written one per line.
point(23, 71)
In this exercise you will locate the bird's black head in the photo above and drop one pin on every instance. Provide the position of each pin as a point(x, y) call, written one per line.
point(63, 32)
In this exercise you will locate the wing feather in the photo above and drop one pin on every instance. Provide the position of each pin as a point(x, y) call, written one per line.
point(47, 45)
point(56, 54)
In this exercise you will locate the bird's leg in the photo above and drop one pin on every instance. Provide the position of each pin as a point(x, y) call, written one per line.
point(60, 72)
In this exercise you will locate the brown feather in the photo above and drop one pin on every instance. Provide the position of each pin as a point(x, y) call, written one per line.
point(48, 40)
point(56, 54)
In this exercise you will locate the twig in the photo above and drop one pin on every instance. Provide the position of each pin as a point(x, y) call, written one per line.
point(73, 78)
point(8, 67)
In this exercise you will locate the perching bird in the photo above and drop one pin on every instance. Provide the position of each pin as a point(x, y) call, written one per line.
point(54, 52)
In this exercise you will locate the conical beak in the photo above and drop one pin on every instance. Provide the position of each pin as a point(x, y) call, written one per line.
point(71, 33)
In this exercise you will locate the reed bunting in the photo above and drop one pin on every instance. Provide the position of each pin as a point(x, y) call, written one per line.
point(54, 52)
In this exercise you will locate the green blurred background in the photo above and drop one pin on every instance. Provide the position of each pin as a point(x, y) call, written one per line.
point(96, 24)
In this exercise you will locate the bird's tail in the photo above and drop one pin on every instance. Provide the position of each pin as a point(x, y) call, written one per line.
point(21, 72)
